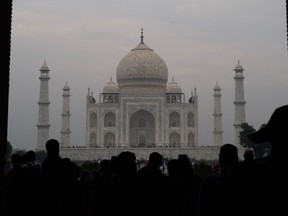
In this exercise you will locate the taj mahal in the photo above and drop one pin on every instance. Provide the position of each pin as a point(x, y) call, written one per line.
point(142, 112)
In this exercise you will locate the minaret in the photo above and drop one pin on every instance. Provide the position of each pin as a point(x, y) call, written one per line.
point(43, 114)
point(65, 129)
point(239, 102)
point(218, 132)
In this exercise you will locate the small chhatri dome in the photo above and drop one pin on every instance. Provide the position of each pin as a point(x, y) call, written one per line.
point(45, 67)
point(66, 87)
point(173, 87)
point(111, 87)
point(142, 67)
point(239, 66)
point(217, 87)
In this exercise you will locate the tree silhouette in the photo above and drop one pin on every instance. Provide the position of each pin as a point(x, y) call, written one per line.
point(260, 150)
point(9, 150)
point(243, 135)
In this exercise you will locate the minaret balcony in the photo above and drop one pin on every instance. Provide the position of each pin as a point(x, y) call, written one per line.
point(217, 114)
point(43, 102)
point(43, 125)
point(66, 114)
point(239, 102)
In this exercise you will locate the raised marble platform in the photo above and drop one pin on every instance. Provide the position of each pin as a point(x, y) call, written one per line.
point(205, 153)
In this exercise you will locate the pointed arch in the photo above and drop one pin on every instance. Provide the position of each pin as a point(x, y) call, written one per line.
point(109, 119)
point(142, 129)
point(190, 119)
point(93, 140)
point(174, 140)
point(191, 140)
point(93, 119)
point(109, 140)
point(174, 119)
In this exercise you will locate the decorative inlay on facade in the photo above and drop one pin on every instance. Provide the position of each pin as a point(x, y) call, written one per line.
point(134, 108)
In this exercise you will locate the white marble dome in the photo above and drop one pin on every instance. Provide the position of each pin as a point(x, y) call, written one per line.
point(173, 87)
point(142, 67)
point(111, 87)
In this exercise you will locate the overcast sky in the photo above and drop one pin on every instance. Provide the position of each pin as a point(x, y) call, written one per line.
point(201, 42)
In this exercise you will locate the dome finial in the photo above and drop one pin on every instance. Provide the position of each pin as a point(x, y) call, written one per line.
point(142, 37)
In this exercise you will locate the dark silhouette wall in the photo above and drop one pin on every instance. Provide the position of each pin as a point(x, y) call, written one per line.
point(5, 44)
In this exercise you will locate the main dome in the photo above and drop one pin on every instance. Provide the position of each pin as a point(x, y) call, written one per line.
point(142, 67)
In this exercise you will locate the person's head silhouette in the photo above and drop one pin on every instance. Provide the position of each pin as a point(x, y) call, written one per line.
point(228, 157)
point(155, 159)
point(248, 155)
point(16, 161)
point(30, 156)
point(52, 148)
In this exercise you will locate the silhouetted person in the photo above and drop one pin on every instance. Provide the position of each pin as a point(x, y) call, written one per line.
point(65, 195)
point(263, 182)
point(123, 192)
point(71, 196)
point(126, 166)
point(155, 162)
point(51, 165)
point(29, 162)
point(16, 162)
point(172, 168)
point(30, 157)
point(185, 187)
point(275, 132)
point(273, 179)
point(86, 183)
point(23, 189)
point(51, 169)
point(13, 186)
point(215, 189)
point(102, 190)
point(153, 187)
point(248, 155)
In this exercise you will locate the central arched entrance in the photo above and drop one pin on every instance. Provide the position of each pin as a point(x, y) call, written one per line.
point(142, 130)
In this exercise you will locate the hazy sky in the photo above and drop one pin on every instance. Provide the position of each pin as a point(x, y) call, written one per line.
point(201, 42)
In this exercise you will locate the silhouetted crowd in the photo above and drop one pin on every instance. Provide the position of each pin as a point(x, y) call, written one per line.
point(255, 187)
